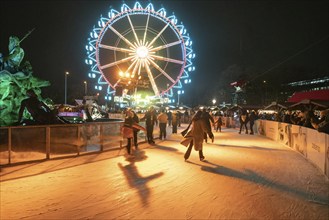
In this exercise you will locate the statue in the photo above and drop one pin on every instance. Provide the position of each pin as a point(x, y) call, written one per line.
point(16, 53)
point(1, 62)
point(15, 80)
point(40, 112)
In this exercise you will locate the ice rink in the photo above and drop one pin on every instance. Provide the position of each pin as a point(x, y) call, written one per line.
point(243, 177)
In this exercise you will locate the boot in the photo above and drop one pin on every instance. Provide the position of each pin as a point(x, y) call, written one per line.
point(188, 152)
point(201, 155)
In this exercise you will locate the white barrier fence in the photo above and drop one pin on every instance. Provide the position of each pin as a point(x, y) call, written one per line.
point(312, 144)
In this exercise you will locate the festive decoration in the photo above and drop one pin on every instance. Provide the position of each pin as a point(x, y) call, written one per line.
point(140, 48)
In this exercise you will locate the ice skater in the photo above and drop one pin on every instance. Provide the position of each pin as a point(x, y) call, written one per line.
point(128, 129)
point(150, 118)
point(194, 137)
point(208, 121)
point(218, 123)
point(244, 118)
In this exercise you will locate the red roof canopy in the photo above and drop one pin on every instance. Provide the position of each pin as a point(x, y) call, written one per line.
point(314, 95)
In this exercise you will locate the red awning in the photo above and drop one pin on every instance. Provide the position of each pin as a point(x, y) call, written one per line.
point(314, 95)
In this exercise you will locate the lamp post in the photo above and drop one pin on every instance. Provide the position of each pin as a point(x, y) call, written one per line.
point(86, 85)
point(214, 101)
point(179, 92)
point(265, 85)
point(66, 74)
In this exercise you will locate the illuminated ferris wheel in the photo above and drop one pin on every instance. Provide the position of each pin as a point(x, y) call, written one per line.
point(140, 49)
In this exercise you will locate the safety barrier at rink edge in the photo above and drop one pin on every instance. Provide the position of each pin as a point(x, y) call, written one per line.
point(312, 144)
point(31, 143)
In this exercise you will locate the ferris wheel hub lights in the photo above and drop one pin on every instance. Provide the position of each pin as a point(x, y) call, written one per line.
point(142, 52)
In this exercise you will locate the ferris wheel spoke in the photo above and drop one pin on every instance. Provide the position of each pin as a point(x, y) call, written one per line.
point(117, 62)
point(132, 28)
point(147, 24)
point(131, 65)
point(156, 37)
point(165, 46)
point(115, 48)
point(161, 70)
point(115, 85)
point(149, 73)
point(167, 59)
point(136, 66)
point(122, 37)
point(139, 68)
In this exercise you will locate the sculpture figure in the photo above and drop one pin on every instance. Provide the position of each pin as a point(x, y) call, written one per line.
point(15, 80)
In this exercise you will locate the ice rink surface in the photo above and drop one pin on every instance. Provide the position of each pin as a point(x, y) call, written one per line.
point(243, 177)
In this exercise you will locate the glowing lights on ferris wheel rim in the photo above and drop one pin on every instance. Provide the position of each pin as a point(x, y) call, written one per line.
point(142, 52)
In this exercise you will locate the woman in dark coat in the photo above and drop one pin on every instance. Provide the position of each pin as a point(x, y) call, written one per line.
point(244, 118)
point(252, 119)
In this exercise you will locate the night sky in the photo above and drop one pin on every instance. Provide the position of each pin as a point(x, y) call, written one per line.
point(256, 35)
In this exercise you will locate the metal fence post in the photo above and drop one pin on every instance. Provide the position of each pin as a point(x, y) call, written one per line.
point(9, 145)
point(47, 142)
point(79, 146)
point(101, 137)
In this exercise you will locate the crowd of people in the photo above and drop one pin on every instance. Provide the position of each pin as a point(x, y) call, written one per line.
point(314, 119)
point(200, 122)
point(197, 132)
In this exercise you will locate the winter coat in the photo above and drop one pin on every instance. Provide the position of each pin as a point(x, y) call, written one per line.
point(208, 118)
point(150, 118)
point(129, 126)
point(219, 121)
point(174, 118)
point(244, 118)
point(163, 118)
point(199, 127)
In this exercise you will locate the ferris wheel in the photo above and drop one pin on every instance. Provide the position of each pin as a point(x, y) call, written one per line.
point(140, 49)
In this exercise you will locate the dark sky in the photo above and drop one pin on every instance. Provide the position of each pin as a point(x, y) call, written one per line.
point(256, 34)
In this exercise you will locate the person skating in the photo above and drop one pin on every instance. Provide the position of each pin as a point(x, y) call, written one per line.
point(194, 137)
point(174, 122)
point(135, 130)
point(243, 120)
point(150, 120)
point(208, 120)
point(252, 119)
point(163, 120)
point(219, 123)
point(128, 129)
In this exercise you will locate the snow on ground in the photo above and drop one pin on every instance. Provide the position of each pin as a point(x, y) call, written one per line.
point(244, 177)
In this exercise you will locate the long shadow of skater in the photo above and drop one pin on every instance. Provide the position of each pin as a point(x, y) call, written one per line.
point(135, 180)
point(251, 176)
point(166, 148)
point(251, 147)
